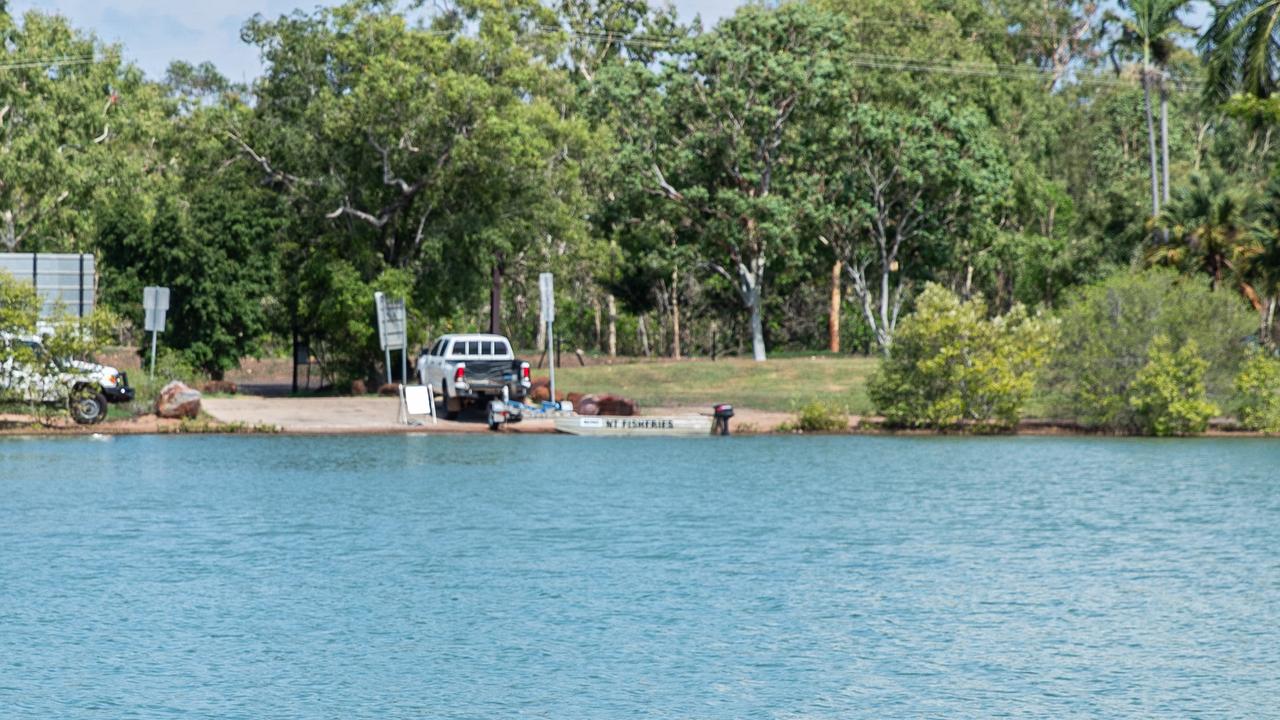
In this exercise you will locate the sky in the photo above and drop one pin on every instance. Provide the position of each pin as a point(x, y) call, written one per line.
point(155, 32)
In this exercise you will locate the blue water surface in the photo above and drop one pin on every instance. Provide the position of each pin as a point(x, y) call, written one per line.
point(569, 578)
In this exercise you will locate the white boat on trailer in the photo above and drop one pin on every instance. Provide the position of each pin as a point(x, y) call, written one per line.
point(717, 423)
point(636, 426)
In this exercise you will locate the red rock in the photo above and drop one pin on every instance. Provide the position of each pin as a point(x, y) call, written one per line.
point(176, 400)
point(606, 405)
point(540, 391)
point(390, 390)
point(358, 388)
point(220, 387)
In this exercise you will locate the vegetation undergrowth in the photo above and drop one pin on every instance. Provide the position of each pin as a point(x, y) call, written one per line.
point(818, 417)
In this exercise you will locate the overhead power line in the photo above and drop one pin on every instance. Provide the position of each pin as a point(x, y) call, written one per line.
point(968, 68)
point(48, 62)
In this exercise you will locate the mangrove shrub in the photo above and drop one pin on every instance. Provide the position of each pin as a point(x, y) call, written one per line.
point(1257, 393)
point(1168, 394)
point(1108, 329)
point(950, 364)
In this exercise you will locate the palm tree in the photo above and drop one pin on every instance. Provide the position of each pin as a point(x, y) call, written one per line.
point(1240, 48)
point(1152, 27)
point(1262, 266)
point(1211, 231)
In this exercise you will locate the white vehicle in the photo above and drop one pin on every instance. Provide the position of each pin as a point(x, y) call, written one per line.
point(473, 368)
point(85, 388)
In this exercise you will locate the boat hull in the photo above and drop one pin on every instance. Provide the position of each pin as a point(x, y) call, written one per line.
point(637, 426)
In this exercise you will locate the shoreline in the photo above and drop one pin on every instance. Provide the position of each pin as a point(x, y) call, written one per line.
point(747, 423)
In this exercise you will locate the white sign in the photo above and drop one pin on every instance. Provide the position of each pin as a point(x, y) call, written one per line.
point(392, 323)
point(416, 400)
point(155, 300)
point(546, 284)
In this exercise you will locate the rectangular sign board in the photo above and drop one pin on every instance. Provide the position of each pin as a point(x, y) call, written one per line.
point(392, 322)
point(62, 280)
point(546, 285)
point(155, 300)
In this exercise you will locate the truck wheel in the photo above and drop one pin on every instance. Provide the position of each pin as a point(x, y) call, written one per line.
point(452, 405)
point(89, 409)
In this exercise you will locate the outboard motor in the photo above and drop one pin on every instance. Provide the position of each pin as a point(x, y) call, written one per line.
point(722, 415)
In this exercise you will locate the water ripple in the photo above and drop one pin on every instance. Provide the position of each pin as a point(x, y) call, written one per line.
point(483, 577)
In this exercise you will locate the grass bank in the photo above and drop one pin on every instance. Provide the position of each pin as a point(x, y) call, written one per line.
point(779, 384)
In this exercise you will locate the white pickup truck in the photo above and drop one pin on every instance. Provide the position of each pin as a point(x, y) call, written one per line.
point(472, 368)
point(28, 374)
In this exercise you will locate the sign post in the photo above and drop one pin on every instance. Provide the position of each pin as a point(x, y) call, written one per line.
point(393, 333)
point(546, 285)
point(155, 300)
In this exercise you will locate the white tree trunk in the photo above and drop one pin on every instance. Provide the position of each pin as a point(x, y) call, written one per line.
point(750, 279)
point(612, 306)
point(881, 312)
point(675, 314)
point(757, 328)
point(642, 329)
point(1164, 140)
point(1151, 144)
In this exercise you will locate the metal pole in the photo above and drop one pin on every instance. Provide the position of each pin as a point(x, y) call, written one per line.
point(80, 307)
point(551, 361)
point(388, 366)
point(153, 354)
point(404, 364)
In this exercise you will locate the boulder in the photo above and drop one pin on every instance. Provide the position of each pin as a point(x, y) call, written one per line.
point(540, 391)
point(390, 390)
point(177, 400)
point(220, 387)
point(606, 405)
point(358, 388)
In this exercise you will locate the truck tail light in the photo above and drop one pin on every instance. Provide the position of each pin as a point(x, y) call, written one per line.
point(524, 371)
point(460, 375)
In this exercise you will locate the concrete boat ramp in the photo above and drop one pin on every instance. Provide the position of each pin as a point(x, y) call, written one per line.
point(343, 415)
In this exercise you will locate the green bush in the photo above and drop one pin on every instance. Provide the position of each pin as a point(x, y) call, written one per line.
point(950, 364)
point(1107, 332)
point(1168, 394)
point(1257, 393)
point(818, 417)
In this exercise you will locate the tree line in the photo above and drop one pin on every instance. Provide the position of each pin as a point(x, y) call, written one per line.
point(791, 177)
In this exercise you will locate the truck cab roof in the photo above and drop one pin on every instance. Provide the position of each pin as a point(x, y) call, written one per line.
point(479, 346)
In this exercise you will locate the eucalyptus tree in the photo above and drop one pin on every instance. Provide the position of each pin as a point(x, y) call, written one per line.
point(729, 154)
point(205, 227)
point(901, 191)
point(612, 51)
point(417, 155)
point(75, 121)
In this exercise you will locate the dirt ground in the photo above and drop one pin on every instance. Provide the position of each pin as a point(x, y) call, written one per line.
point(17, 424)
point(379, 415)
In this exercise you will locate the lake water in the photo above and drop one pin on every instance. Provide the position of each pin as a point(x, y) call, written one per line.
point(553, 577)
